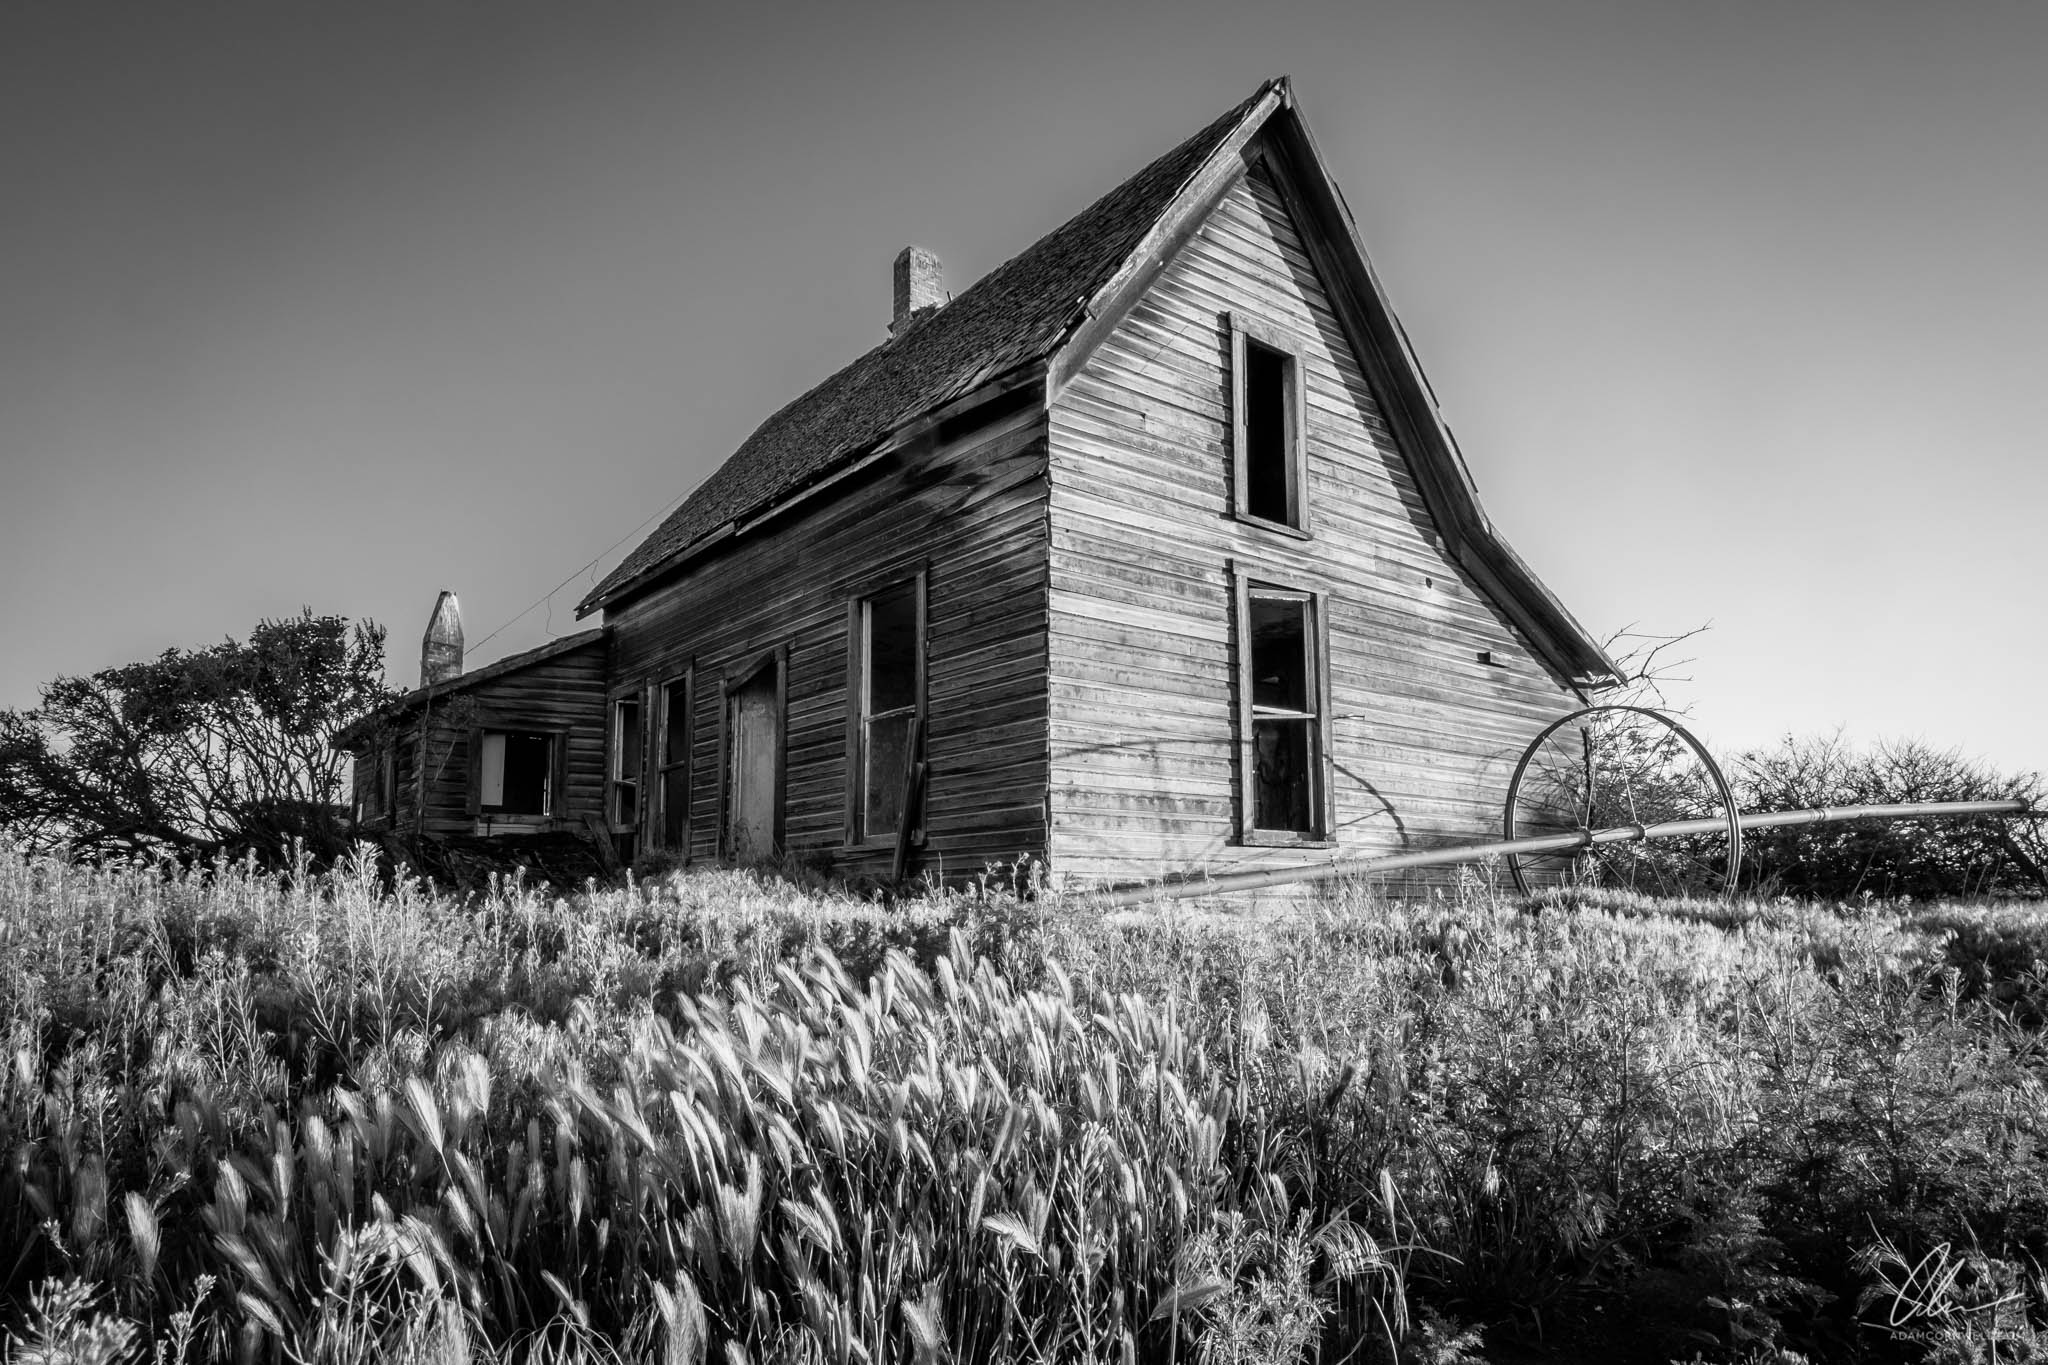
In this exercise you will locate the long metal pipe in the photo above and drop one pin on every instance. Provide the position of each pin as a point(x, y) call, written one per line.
point(1549, 843)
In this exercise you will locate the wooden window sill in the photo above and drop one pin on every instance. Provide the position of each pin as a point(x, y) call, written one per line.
point(1273, 838)
point(1278, 528)
point(883, 844)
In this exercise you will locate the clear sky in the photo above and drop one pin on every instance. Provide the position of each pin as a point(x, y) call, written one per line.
point(1739, 309)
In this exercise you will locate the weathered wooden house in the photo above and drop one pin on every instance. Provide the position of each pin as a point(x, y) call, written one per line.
point(1148, 553)
point(516, 747)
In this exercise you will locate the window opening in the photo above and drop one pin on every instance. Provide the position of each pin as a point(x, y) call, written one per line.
point(403, 789)
point(1285, 713)
point(891, 658)
point(625, 765)
point(1269, 455)
point(375, 781)
point(675, 764)
point(516, 774)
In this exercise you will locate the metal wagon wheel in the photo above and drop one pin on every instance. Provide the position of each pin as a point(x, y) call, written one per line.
point(1623, 766)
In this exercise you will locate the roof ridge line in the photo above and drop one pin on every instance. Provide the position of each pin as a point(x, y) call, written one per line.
point(1021, 312)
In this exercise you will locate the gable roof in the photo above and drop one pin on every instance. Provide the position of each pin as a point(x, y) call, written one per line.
point(360, 728)
point(1054, 302)
point(1016, 314)
point(1409, 405)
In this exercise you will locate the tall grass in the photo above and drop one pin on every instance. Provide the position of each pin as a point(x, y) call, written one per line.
point(718, 1118)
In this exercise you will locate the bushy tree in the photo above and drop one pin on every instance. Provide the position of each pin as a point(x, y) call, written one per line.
point(227, 749)
point(1617, 768)
point(1922, 858)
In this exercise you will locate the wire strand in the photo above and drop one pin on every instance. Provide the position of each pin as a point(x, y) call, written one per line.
point(579, 571)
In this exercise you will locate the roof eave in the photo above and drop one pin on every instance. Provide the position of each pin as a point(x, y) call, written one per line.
point(1019, 313)
point(1550, 631)
point(989, 390)
point(360, 729)
point(1553, 635)
point(1410, 407)
point(1202, 191)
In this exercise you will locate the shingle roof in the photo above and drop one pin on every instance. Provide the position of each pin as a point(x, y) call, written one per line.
point(1017, 314)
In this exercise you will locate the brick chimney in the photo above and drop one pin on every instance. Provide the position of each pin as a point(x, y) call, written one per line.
point(441, 647)
point(920, 285)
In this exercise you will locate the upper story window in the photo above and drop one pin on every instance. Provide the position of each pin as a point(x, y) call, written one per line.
point(1268, 464)
point(1283, 715)
point(885, 690)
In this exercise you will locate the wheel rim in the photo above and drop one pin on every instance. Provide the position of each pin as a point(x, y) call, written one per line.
point(1607, 766)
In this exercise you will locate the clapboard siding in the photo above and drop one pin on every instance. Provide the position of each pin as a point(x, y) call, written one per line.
point(563, 693)
point(972, 513)
point(1141, 669)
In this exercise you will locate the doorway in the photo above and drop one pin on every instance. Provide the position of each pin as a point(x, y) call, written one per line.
point(753, 763)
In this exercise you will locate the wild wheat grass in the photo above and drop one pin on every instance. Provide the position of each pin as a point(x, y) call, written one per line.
point(720, 1117)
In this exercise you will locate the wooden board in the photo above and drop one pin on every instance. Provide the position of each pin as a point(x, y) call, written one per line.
point(1142, 670)
point(563, 695)
point(971, 514)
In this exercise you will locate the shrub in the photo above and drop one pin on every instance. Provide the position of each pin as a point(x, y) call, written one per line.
point(225, 750)
point(343, 1117)
point(1924, 860)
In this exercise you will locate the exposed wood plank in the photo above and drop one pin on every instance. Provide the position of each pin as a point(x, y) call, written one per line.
point(563, 695)
point(971, 515)
point(1141, 690)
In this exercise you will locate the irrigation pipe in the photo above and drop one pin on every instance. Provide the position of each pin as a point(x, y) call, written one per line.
point(1549, 843)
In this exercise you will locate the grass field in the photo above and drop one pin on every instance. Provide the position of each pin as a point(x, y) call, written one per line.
point(726, 1118)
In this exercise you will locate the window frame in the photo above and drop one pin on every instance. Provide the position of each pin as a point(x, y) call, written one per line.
point(558, 771)
point(1245, 331)
point(854, 834)
point(613, 779)
point(408, 764)
point(376, 782)
point(686, 679)
point(1245, 586)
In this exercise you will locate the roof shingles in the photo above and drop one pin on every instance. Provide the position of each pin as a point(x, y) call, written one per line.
point(1017, 314)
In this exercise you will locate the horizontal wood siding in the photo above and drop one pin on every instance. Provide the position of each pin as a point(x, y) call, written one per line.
point(972, 513)
point(1142, 688)
point(563, 694)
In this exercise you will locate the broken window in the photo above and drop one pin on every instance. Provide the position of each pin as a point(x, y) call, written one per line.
point(886, 684)
point(376, 783)
point(515, 773)
point(1266, 427)
point(404, 787)
point(674, 748)
point(1281, 682)
point(625, 773)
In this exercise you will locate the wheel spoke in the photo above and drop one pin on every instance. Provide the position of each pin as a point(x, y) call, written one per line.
point(1612, 766)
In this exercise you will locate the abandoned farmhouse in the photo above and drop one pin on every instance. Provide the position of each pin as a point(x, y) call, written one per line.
point(1147, 554)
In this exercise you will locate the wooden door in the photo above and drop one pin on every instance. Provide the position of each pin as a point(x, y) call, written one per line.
point(753, 764)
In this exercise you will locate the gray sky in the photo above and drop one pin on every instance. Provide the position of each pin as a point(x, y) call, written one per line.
point(1736, 308)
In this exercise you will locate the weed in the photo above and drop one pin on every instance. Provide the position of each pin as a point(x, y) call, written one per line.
point(714, 1115)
